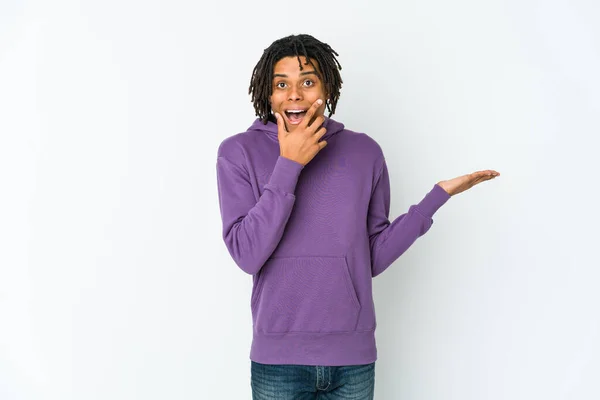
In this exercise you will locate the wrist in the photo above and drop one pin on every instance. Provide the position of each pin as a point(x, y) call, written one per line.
point(443, 186)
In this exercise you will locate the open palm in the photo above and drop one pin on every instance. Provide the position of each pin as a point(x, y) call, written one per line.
point(465, 182)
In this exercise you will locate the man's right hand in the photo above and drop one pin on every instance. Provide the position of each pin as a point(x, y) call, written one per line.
point(302, 145)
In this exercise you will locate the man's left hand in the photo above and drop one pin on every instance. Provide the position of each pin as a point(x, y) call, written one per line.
point(465, 182)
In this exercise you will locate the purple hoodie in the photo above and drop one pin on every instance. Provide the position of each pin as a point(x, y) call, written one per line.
point(313, 238)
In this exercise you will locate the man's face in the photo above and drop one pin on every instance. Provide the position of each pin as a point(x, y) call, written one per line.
point(295, 91)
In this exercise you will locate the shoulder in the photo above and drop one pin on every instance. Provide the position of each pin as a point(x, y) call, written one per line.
point(235, 146)
point(367, 144)
point(231, 145)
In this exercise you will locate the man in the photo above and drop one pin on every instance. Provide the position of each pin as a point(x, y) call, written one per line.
point(305, 207)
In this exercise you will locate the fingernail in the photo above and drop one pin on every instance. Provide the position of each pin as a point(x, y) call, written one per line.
point(320, 101)
point(276, 115)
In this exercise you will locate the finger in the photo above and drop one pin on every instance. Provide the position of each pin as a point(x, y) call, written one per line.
point(479, 180)
point(311, 111)
point(319, 134)
point(317, 123)
point(322, 144)
point(479, 174)
point(473, 180)
point(489, 172)
point(490, 175)
point(280, 124)
point(482, 179)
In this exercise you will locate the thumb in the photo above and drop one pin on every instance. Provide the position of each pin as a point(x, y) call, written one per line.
point(280, 125)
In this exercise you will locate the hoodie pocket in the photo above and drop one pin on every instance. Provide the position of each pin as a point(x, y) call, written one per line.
point(305, 294)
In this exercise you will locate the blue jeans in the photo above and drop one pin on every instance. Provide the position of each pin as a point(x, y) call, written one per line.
point(304, 382)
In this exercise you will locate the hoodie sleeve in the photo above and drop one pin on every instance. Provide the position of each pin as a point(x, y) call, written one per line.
point(252, 230)
point(388, 241)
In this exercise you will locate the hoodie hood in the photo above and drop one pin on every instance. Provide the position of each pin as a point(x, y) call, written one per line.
point(333, 128)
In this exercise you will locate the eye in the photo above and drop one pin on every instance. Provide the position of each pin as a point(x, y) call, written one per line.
point(308, 83)
point(281, 85)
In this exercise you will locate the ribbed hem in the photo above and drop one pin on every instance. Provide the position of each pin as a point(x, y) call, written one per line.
point(432, 202)
point(285, 174)
point(325, 349)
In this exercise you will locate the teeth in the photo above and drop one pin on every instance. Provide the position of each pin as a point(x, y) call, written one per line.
point(295, 111)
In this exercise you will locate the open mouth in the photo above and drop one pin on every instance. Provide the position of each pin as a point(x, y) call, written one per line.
point(295, 116)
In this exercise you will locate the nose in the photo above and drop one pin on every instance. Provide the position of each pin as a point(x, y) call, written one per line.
point(294, 94)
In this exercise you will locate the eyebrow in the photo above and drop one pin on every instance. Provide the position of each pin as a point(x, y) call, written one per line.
point(301, 74)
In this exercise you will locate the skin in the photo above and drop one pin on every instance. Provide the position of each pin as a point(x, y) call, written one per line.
point(296, 89)
point(465, 182)
point(299, 141)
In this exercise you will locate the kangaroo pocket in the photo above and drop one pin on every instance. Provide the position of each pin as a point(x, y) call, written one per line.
point(305, 294)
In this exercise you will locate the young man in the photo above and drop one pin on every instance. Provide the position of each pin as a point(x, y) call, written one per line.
point(305, 207)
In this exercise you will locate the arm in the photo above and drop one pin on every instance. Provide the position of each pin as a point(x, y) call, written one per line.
point(388, 241)
point(252, 230)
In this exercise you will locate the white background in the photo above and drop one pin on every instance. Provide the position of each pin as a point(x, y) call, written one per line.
point(114, 279)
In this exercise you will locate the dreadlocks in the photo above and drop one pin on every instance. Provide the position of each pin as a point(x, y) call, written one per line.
point(261, 83)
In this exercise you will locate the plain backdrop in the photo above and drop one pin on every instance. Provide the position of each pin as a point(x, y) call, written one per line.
point(114, 279)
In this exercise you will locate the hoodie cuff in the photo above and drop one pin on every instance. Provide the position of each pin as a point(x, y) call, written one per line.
point(436, 198)
point(285, 174)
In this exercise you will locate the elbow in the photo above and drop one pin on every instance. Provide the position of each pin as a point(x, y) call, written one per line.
point(248, 265)
point(379, 263)
point(246, 253)
point(247, 260)
point(377, 269)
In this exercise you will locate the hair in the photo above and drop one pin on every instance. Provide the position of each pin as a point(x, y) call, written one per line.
point(261, 83)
